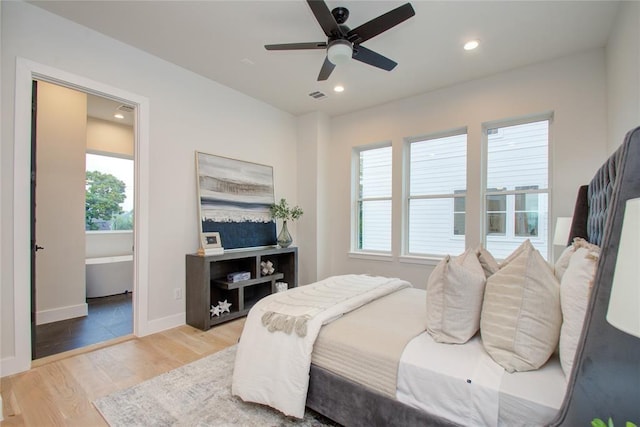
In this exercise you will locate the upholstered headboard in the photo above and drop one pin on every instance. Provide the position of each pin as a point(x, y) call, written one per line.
point(606, 378)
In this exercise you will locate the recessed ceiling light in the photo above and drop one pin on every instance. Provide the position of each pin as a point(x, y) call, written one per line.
point(338, 88)
point(118, 116)
point(471, 44)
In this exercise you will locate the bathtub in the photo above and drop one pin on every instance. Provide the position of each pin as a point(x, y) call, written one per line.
point(109, 275)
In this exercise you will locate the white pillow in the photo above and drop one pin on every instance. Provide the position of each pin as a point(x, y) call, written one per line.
point(487, 261)
point(563, 262)
point(521, 318)
point(575, 291)
point(454, 298)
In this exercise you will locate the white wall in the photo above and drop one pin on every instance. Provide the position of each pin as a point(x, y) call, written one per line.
point(109, 243)
point(623, 74)
point(573, 88)
point(109, 137)
point(187, 113)
point(1, 233)
point(313, 132)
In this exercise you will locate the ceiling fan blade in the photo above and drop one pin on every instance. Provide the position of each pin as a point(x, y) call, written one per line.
point(370, 57)
point(325, 71)
point(296, 46)
point(324, 17)
point(381, 24)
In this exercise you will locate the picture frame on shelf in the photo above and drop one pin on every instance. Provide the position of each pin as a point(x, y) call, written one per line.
point(210, 244)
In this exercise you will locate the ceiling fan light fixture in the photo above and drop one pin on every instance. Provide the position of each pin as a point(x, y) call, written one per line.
point(471, 44)
point(339, 52)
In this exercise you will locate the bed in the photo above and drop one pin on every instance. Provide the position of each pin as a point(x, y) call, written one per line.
point(604, 380)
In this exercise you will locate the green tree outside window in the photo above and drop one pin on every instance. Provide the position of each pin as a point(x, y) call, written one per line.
point(104, 195)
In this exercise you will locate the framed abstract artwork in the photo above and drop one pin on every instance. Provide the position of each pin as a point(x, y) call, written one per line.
point(234, 198)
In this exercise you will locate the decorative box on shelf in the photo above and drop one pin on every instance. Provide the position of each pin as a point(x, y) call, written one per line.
point(238, 276)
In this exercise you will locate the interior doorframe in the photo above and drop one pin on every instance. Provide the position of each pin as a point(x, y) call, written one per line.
point(26, 72)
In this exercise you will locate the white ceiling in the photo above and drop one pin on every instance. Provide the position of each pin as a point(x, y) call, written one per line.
point(105, 109)
point(224, 41)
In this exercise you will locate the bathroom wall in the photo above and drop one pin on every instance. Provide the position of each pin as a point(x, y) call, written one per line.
point(105, 137)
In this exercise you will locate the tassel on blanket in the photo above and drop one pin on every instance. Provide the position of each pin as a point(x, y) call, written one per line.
point(281, 322)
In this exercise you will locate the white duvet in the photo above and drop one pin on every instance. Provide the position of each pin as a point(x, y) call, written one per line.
point(274, 354)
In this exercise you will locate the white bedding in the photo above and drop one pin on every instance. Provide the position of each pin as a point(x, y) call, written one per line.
point(463, 384)
point(272, 366)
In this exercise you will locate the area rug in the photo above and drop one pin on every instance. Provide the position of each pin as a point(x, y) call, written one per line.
point(197, 394)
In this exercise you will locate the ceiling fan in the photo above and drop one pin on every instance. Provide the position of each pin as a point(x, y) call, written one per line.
point(343, 43)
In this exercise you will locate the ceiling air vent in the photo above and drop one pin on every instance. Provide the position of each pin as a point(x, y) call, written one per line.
point(317, 95)
point(126, 108)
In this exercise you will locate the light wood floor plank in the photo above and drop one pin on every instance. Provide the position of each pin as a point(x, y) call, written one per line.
point(61, 392)
point(65, 391)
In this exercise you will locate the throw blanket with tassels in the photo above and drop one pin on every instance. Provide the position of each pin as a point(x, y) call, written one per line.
point(274, 354)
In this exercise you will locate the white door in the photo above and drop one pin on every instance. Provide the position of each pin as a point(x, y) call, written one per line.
point(61, 118)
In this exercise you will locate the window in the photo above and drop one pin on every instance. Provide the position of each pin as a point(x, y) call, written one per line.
point(436, 194)
point(109, 198)
point(516, 194)
point(496, 214)
point(526, 213)
point(373, 199)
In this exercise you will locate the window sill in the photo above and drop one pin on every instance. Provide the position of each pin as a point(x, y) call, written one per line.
point(424, 260)
point(108, 231)
point(371, 256)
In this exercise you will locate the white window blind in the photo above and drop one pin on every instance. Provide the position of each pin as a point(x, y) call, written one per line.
point(517, 187)
point(373, 201)
point(437, 181)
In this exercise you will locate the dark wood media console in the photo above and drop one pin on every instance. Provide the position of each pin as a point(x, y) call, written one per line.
point(207, 285)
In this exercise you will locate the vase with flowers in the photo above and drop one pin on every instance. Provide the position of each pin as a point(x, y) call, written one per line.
point(282, 211)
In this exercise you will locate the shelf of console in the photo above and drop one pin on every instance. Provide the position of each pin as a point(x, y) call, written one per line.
point(245, 283)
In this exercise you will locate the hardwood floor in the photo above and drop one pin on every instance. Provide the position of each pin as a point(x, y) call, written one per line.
point(109, 317)
point(59, 392)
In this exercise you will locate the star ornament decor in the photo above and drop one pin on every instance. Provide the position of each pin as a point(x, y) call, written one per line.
point(215, 310)
point(224, 306)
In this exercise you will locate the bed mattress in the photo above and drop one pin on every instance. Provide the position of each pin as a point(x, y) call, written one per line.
point(366, 344)
point(460, 383)
point(463, 384)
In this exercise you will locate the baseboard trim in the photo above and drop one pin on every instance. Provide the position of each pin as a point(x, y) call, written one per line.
point(11, 365)
point(61, 313)
point(162, 324)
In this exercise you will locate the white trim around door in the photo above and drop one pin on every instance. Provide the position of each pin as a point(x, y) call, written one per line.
point(26, 71)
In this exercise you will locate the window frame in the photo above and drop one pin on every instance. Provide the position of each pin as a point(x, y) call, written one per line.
point(510, 220)
point(356, 200)
point(121, 156)
point(406, 190)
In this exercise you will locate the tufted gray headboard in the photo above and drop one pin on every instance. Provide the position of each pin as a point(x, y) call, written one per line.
point(606, 378)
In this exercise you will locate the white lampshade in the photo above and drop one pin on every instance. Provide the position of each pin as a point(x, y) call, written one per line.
point(339, 52)
point(624, 303)
point(563, 228)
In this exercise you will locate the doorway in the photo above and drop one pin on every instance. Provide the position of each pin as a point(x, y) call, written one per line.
point(26, 72)
point(82, 219)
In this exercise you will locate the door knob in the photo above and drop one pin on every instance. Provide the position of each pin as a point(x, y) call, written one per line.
point(37, 248)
